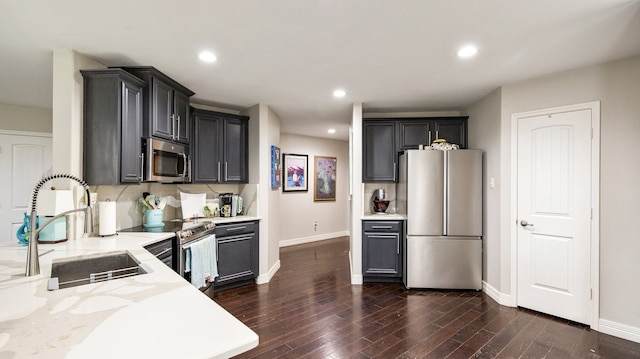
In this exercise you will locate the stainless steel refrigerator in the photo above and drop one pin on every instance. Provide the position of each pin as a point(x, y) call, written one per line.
point(441, 194)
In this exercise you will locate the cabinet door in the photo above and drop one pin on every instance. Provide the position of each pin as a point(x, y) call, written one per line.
point(206, 149)
point(235, 258)
point(382, 254)
point(162, 124)
point(181, 117)
point(412, 133)
point(235, 154)
point(380, 155)
point(131, 146)
point(453, 130)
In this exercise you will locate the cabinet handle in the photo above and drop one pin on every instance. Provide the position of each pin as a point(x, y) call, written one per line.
point(234, 229)
point(225, 172)
point(173, 127)
point(398, 245)
point(178, 137)
point(381, 227)
point(141, 169)
point(219, 179)
point(217, 247)
point(437, 134)
point(429, 137)
point(163, 252)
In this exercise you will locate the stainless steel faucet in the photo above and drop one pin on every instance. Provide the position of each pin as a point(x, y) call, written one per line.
point(33, 261)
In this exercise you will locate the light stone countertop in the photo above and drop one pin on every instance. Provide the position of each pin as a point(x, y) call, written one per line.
point(154, 315)
point(383, 217)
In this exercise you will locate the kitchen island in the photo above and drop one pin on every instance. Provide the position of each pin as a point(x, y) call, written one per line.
point(153, 315)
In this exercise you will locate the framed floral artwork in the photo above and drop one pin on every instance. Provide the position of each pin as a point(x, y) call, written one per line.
point(325, 178)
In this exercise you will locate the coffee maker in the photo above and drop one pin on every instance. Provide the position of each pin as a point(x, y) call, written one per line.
point(226, 204)
point(379, 202)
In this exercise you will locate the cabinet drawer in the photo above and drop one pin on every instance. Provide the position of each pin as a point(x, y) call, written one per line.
point(382, 226)
point(224, 230)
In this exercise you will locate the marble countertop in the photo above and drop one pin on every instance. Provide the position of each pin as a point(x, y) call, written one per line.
point(154, 315)
point(383, 217)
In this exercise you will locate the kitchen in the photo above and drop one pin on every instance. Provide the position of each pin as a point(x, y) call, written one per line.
point(491, 133)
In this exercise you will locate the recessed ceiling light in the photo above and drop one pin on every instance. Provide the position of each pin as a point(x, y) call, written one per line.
point(332, 130)
point(339, 93)
point(207, 56)
point(467, 51)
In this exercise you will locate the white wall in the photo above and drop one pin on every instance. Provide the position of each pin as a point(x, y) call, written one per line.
point(27, 119)
point(617, 86)
point(484, 134)
point(298, 209)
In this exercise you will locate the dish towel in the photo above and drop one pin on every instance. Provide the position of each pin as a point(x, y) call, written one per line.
point(199, 262)
point(202, 259)
point(213, 258)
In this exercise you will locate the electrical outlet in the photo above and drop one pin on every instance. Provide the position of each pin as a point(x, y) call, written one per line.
point(94, 198)
point(315, 226)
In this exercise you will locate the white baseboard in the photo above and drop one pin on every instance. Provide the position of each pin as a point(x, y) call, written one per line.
point(619, 330)
point(320, 237)
point(501, 298)
point(265, 278)
point(356, 279)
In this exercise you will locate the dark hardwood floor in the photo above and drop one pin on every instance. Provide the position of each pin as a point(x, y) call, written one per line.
point(310, 310)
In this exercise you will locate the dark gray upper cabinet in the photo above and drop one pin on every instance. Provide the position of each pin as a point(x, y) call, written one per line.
point(112, 120)
point(166, 105)
point(423, 131)
point(220, 148)
point(379, 152)
point(383, 140)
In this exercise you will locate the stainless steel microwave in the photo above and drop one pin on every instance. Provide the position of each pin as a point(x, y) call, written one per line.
point(166, 162)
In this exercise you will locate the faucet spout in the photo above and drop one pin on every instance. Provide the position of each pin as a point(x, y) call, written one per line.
point(33, 261)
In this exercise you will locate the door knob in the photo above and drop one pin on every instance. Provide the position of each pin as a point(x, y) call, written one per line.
point(524, 223)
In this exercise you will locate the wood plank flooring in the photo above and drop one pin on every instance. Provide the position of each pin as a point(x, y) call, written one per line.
point(310, 310)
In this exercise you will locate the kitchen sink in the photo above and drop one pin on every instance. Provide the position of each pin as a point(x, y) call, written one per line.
point(87, 269)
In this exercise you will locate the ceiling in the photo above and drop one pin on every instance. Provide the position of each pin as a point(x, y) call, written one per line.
point(391, 56)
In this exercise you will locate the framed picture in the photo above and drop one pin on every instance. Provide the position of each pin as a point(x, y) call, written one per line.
point(325, 178)
point(295, 173)
point(275, 167)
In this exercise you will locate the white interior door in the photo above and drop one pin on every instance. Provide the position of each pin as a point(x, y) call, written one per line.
point(554, 214)
point(24, 160)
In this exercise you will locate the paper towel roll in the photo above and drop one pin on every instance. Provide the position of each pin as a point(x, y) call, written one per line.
point(107, 218)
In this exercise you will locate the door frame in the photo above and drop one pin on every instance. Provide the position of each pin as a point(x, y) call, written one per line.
point(594, 107)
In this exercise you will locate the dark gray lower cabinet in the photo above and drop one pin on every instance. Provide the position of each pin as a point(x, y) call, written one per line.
point(237, 254)
point(165, 250)
point(382, 250)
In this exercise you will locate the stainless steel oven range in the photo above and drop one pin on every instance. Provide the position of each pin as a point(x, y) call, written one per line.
point(190, 233)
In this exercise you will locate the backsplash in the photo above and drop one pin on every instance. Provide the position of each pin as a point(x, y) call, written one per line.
point(129, 212)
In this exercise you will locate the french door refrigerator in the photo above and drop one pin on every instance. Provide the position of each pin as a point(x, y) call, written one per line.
point(441, 194)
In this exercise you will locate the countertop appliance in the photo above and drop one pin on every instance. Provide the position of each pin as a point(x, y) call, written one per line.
point(165, 161)
point(379, 201)
point(441, 194)
point(226, 205)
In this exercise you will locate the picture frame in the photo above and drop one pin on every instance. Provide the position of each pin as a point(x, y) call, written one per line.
point(295, 173)
point(325, 177)
point(275, 167)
